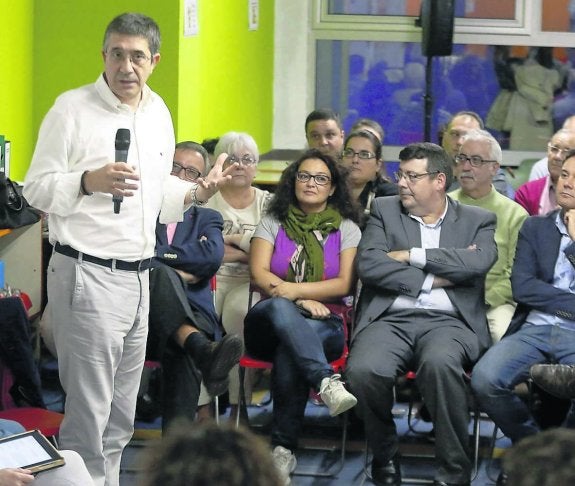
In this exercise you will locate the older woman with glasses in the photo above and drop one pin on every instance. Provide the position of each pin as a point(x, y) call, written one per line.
point(241, 206)
point(302, 255)
point(362, 157)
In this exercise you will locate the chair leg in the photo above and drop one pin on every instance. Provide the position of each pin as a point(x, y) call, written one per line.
point(242, 405)
point(489, 466)
point(476, 437)
point(335, 469)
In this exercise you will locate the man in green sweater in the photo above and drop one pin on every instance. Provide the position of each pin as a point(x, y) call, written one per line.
point(477, 162)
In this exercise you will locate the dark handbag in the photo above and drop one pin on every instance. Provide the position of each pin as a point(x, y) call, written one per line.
point(14, 209)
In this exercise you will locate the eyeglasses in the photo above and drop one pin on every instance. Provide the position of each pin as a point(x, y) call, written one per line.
point(558, 150)
point(319, 179)
point(362, 154)
point(243, 160)
point(190, 173)
point(412, 177)
point(474, 160)
point(137, 58)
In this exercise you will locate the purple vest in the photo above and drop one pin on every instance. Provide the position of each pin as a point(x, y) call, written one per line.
point(284, 249)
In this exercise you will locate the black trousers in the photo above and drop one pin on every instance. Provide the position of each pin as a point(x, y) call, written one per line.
point(169, 309)
point(16, 353)
point(439, 347)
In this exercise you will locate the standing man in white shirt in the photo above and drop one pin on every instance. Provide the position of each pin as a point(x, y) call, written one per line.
point(98, 274)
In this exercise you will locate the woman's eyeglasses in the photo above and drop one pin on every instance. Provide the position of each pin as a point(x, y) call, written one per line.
point(349, 153)
point(246, 159)
point(319, 179)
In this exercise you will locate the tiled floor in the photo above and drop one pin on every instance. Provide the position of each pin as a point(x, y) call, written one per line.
point(321, 430)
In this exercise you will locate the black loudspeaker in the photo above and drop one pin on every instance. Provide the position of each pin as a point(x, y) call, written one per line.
point(437, 27)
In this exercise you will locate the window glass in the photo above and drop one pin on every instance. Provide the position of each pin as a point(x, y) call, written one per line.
point(558, 16)
point(522, 93)
point(471, 9)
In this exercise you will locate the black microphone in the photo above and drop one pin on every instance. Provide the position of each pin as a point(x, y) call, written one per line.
point(122, 146)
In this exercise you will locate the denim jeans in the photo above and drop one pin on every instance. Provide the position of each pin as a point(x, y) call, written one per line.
point(507, 364)
point(300, 349)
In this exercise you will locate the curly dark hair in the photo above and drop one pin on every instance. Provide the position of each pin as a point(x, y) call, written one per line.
point(341, 200)
point(200, 454)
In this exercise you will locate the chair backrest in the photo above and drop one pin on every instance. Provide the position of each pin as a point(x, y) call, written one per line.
point(6, 382)
point(520, 175)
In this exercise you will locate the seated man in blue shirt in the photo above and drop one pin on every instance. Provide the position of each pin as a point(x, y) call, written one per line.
point(183, 321)
point(543, 327)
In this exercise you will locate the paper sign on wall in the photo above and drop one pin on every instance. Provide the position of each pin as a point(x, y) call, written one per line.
point(253, 14)
point(191, 24)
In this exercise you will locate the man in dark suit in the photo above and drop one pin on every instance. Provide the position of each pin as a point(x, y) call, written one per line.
point(422, 261)
point(543, 327)
point(183, 320)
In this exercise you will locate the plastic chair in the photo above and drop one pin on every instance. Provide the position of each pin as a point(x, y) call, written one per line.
point(338, 365)
point(31, 418)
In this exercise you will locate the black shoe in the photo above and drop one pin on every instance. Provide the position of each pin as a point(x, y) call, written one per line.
point(556, 379)
point(146, 409)
point(501, 479)
point(443, 483)
point(388, 474)
point(26, 397)
point(220, 359)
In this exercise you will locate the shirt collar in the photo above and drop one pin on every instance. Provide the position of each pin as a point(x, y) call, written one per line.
point(438, 222)
point(112, 100)
point(561, 224)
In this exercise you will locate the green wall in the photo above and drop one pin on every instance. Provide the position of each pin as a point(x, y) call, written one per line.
point(226, 73)
point(219, 80)
point(16, 77)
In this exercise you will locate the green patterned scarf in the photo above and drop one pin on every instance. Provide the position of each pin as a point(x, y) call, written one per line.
point(309, 231)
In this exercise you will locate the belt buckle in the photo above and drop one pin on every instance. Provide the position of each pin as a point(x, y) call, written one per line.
point(144, 264)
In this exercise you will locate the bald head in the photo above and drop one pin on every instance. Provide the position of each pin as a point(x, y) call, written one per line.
point(569, 123)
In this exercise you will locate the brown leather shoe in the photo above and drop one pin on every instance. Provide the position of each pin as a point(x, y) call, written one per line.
point(556, 379)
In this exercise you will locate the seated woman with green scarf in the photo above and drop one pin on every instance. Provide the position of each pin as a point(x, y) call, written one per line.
point(301, 257)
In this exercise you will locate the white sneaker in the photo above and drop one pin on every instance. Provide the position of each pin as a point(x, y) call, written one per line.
point(335, 396)
point(285, 462)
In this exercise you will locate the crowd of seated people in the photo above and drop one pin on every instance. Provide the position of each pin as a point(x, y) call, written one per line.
point(455, 277)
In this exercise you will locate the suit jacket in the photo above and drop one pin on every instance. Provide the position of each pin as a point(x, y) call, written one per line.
point(188, 253)
point(383, 279)
point(533, 271)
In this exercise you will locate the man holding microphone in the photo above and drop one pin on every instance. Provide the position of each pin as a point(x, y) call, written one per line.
point(98, 274)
